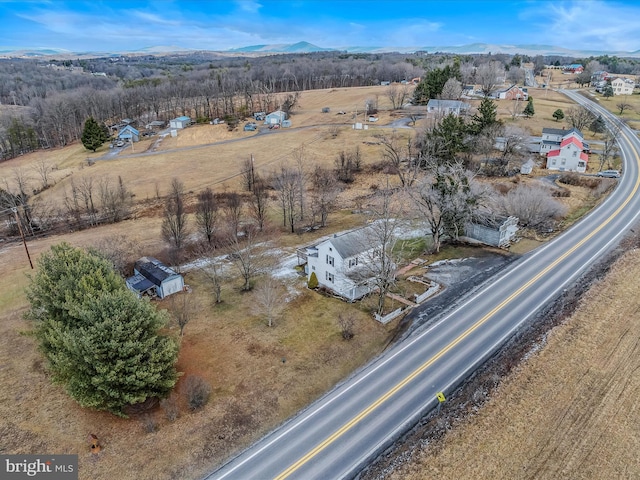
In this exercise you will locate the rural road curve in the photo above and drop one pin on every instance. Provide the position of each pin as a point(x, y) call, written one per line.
point(339, 434)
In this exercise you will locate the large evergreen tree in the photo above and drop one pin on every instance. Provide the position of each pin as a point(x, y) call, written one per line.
point(93, 135)
point(529, 111)
point(486, 116)
point(433, 82)
point(101, 342)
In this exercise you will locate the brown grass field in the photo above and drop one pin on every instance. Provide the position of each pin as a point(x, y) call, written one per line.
point(227, 344)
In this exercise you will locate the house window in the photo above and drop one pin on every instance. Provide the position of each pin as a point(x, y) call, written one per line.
point(564, 161)
point(329, 277)
point(575, 154)
point(353, 262)
point(330, 260)
point(553, 162)
point(581, 164)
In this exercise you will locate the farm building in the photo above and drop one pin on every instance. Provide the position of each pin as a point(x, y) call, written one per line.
point(180, 122)
point(153, 277)
point(497, 232)
point(129, 134)
point(275, 118)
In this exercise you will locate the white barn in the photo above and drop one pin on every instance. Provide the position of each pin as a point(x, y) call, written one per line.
point(151, 276)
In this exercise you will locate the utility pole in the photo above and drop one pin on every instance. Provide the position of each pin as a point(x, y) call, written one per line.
point(15, 211)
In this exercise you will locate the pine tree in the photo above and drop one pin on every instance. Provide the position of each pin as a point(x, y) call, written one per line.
point(608, 91)
point(101, 342)
point(529, 111)
point(558, 114)
point(486, 116)
point(598, 125)
point(93, 135)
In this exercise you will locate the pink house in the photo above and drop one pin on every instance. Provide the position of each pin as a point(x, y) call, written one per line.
point(569, 157)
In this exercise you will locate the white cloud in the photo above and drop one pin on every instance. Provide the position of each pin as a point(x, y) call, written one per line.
point(591, 25)
point(250, 6)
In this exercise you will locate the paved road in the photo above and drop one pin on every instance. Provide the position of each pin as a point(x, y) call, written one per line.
point(339, 434)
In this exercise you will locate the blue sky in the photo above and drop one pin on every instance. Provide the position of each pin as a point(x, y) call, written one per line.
point(220, 25)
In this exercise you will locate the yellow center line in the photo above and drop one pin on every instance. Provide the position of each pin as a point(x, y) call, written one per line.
point(366, 412)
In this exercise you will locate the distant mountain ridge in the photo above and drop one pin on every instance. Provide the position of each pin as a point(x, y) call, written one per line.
point(306, 47)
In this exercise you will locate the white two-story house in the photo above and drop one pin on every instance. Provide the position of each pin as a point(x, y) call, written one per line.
point(339, 262)
point(569, 157)
point(553, 137)
point(622, 86)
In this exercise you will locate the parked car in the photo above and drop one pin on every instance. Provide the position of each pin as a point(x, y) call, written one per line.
point(250, 127)
point(609, 174)
point(119, 143)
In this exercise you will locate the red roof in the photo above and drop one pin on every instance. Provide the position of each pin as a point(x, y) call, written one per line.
point(553, 153)
point(584, 156)
point(571, 139)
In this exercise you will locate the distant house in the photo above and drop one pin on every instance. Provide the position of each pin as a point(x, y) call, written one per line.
point(152, 277)
point(622, 86)
point(573, 68)
point(569, 157)
point(340, 262)
point(446, 107)
point(180, 122)
point(553, 137)
point(275, 118)
point(129, 134)
point(599, 76)
point(514, 92)
point(495, 231)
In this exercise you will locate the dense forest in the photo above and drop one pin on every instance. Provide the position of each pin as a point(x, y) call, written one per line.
point(44, 104)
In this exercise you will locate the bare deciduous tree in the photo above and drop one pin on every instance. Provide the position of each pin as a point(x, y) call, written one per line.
point(183, 308)
point(623, 105)
point(400, 156)
point(446, 200)
point(259, 203)
point(207, 214)
point(174, 224)
point(246, 255)
point(248, 174)
point(346, 323)
point(324, 194)
point(120, 250)
point(43, 168)
point(533, 205)
point(580, 117)
point(452, 90)
point(115, 200)
point(397, 94)
point(487, 76)
point(609, 146)
point(212, 268)
point(287, 184)
point(268, 300)
point(232, 209)
point(378, 263)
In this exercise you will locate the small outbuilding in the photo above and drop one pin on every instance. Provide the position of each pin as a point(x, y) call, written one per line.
point(180, 122)
point(129, 134)
point(152, 277)
point(275, 118)
point(497, 231)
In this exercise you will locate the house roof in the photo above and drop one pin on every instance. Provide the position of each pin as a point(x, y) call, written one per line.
point(354, 242)
point(154, 270)
point(449, 104)
point(130, 129)
point(562, 131)
point(184, 118)
point(568, 140)
point(139, 283)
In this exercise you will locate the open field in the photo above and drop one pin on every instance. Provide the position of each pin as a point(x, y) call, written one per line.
point(260, 376)
point(570, 411)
